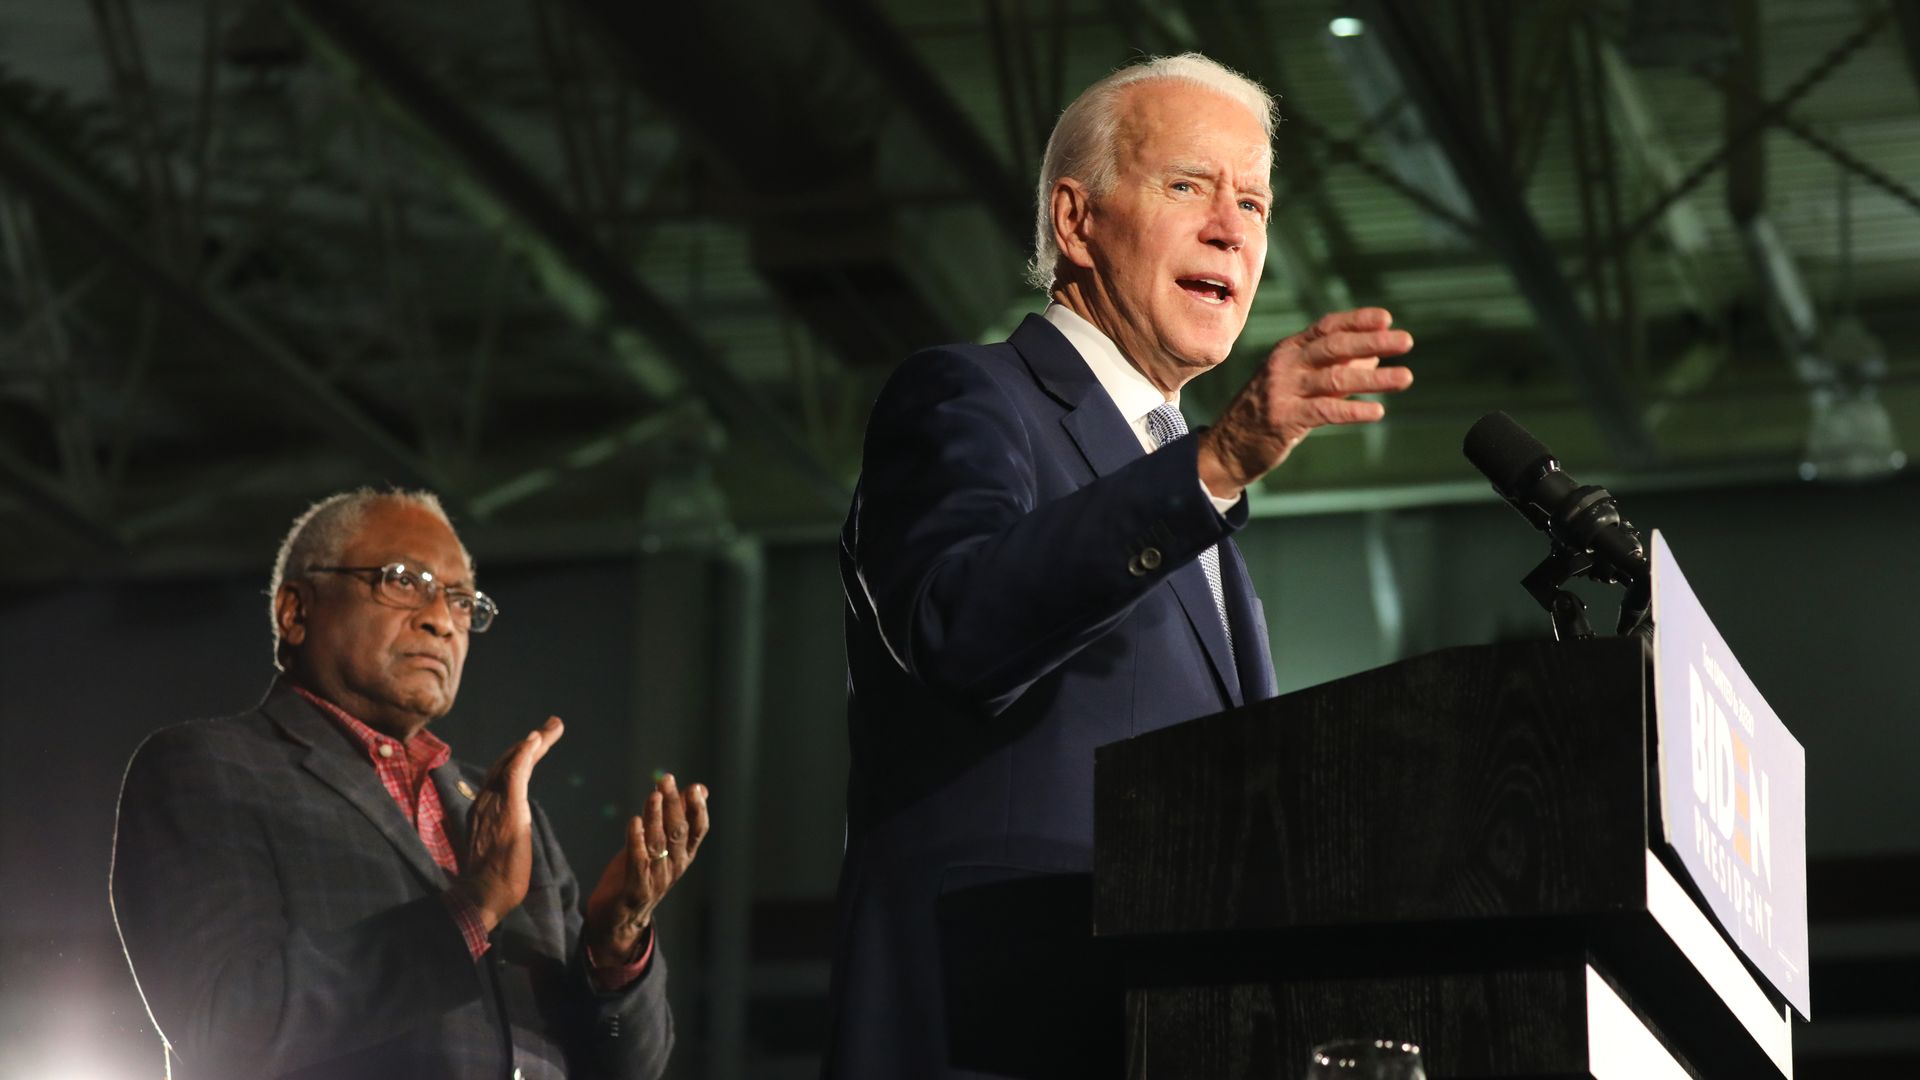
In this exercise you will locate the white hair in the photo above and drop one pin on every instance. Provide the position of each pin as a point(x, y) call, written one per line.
point(1085, 140)
point(320, 535)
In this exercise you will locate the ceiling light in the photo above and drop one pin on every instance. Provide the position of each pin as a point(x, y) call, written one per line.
point(1850, 436)
point(1851, 439)
point(1346, 26)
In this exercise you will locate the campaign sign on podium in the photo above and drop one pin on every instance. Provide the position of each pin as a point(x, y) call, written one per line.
point(1733, 786)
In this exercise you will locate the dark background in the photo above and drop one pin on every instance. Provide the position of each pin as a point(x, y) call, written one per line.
point(619, 281)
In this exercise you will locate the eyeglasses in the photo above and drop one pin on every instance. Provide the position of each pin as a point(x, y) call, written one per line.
point(404, 587)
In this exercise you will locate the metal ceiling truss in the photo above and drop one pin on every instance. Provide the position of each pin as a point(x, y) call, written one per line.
point(145, 139)
point(1031, 94)
point(682, 426)
point(1754, 102)
point(92, 208)
point(1907, 17)
point(1597, 183)
point(72, 500)
point(55, 502)
point(1352, 150)
point(1765, 115)
point(1641, 137)
point(785, 107)
point(595, 135)
point(284, 234)
point(1509, 228)
point(594, 283)
point(52, 348)
point(1003, 191)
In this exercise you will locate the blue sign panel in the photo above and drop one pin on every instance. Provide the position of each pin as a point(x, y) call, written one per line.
point(1733, 784)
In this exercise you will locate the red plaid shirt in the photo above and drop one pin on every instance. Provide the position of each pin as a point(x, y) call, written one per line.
point(403, 768)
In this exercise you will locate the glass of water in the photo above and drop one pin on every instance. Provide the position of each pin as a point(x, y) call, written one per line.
point(1366, 1059)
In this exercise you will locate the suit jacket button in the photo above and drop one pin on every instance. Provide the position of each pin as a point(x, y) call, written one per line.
point(1150, 558)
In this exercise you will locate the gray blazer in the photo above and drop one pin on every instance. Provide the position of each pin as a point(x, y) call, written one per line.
point(283, 919)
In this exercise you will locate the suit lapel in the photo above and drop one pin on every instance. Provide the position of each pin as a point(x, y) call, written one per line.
point(329, 758)
point(1092, 420)
point(1104, 438)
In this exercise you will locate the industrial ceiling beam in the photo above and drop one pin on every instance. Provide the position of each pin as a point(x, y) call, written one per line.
point(1509, 228)
point(1008, 198)
point(86, 205)
point(1907, 16)
point(1769, 114)
point(780, 104)
point(1746, 91)
point(26, 258)
point(1688, 242)
point(56, 506)
point(671, 427)
point(591, 282)
point(1351, 150)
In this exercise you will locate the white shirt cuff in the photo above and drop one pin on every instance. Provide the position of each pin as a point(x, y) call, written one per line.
point(1220, 505)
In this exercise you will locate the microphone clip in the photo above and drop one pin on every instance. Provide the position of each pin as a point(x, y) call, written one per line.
point(1547, 585)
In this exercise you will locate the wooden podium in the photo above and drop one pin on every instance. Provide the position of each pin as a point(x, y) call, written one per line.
point(1460, 850)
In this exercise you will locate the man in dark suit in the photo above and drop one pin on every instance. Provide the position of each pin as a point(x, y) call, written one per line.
point(315, 889)
point(1037, 561)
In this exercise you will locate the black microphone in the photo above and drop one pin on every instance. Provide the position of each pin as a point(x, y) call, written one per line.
point(1581, 518)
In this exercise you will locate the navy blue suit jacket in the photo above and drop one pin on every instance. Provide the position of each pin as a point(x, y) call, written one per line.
point(1022, 586)
point(283, 919)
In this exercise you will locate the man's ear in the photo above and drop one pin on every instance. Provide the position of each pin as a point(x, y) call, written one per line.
point(1071, 208)
point(290, 613)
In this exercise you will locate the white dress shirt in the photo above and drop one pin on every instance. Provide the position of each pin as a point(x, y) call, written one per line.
point(1132, 392)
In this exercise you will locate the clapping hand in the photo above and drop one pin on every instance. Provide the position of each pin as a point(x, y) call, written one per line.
point(499, 859)
point(661, 844)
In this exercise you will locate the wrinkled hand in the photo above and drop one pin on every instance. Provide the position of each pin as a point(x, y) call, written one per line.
point(1305, 383)
point(500, 829)
point(638, 877)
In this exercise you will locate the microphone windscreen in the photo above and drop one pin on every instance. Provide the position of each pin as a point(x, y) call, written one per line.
point(1504, 452)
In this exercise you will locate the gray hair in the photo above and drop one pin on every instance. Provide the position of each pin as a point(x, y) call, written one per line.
point(1085, 140)
point(320, 535)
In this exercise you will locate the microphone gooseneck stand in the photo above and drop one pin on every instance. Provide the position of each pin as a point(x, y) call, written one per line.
point(1586, 535)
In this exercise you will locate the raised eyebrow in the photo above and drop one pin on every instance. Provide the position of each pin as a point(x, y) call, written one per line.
point(1202, 172)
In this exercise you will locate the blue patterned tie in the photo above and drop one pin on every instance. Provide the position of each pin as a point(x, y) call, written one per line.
point(1165, 424)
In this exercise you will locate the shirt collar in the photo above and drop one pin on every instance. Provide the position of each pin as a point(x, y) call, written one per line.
point(425, 750)
point(1132, 392)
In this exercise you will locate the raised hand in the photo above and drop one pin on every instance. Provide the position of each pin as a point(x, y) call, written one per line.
point(1304, 383)
point(661, 844)
point(500, 829)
